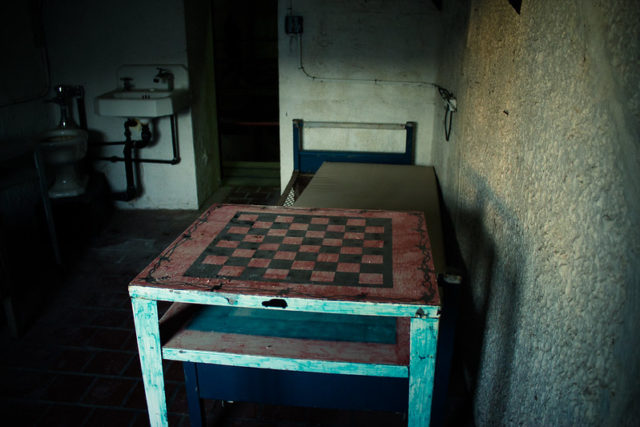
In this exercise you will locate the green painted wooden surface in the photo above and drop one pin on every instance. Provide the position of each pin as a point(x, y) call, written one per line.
point(295, 304)
point(302, 365)
point(145, 317)
point(424, 336)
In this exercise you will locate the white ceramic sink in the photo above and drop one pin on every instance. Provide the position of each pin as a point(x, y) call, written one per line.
point(142, 103)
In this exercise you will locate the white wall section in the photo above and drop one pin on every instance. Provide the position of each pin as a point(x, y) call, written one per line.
point(88, 42)
point(349, 45)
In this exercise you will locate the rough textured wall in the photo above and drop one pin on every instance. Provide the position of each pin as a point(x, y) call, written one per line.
point(542, 179)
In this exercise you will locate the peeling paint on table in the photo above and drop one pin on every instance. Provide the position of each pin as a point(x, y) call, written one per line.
point(284, 265)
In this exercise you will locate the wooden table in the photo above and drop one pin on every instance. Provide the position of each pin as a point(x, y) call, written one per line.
point(310, 290)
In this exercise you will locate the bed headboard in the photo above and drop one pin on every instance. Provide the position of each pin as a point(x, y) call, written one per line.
point(308, 161)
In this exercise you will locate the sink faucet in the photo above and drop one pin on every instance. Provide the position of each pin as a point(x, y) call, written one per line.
point(126, 83)
point(164, 76)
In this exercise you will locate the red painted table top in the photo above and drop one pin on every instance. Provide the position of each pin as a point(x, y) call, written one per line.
point(335, 254)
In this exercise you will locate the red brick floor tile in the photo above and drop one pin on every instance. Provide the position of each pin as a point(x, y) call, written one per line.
point(214, 412)
point(179, 402)
point(378, 419)
point(136, 399)
point(330, 417)
point(127, 320)
point(237, 201)
point(133, 370)
point(67, 388)
point(22, 413)
point(76, 316)
point(182, 421)
point(252, 423)
point(65, 415)
point(73, 336)
point(59, 334)
point(142, 421)
point(111, 417)
point(108, 299)
point(174, 420)
point(29, 355)
point(130, 343)
point(242, 410)
point(281, 413)
point(18, 383)
point(108, 391)
point(108, 339)
point(109, 318)
point(172, 370)
point(116, 284)
point(108, 363)
point(71, 360)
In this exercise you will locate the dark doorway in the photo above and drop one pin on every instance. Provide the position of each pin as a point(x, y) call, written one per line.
point(246, 67)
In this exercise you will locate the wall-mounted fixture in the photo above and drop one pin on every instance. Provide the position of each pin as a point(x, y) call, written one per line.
point(450, 107)
point(164, 76)
point(142, 102)
point(64, 148)
point(146, 93)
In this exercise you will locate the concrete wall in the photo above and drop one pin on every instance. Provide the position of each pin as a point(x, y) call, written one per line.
point(87, 43)
point(21, 45)
point(542, 180)
point(203, 91)
point(23, 74)
point(361, 40)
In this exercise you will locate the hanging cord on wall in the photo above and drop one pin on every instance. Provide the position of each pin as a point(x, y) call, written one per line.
point(450, 107)
point(450, 100)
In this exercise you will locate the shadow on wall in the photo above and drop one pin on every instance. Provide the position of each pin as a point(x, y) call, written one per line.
point(491, 294)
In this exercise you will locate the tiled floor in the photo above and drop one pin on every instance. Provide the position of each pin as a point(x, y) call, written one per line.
point(77, 365)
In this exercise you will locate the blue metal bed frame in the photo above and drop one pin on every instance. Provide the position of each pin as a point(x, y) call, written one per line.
point(308, 161)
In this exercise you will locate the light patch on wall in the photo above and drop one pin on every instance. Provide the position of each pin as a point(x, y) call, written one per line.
point(378, 140)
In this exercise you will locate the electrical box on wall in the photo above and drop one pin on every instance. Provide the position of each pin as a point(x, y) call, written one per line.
point(293, 24)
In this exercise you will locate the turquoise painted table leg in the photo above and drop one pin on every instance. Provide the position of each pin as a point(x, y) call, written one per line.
point(145, 317)
point(424, 337)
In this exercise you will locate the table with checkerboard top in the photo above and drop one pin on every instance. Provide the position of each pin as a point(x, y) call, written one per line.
point(329, 291)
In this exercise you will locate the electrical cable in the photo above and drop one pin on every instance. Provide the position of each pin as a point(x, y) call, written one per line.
point(449, 109)
point(447, 96)
point(356, 80)
point(447, 130)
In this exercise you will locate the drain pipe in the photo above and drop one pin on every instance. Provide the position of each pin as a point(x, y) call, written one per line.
point(140, 144)
point(129, 159)
point(130, 193)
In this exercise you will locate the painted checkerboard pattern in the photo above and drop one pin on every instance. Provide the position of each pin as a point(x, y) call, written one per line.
point(300, 248)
